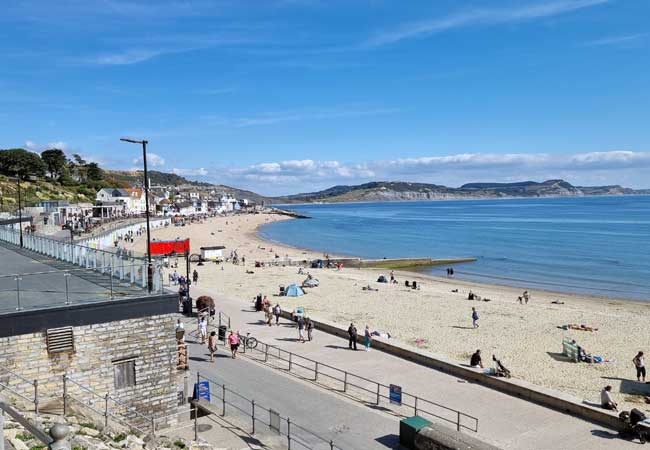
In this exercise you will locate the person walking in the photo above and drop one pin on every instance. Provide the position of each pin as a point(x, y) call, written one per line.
point(352, 333)
point(301, 329)
point(639, 363)
point(310, 329)
point(203, 329)
point(212, 345)
point(526, 296)
point(277, 311)
point(269, 316)
point(233, 340)
point(195, 277)
point(367, 338)
point(474, 317)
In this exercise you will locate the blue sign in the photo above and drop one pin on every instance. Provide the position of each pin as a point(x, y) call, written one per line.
point(395, 394)
point(202, 390)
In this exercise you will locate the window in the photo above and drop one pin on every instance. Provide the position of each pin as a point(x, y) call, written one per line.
point(124, 373)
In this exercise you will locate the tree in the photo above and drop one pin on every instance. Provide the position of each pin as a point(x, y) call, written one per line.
point(22, 163)
point(94, 172)
point(55, 162)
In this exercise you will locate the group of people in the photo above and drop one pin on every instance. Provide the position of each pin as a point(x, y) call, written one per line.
point(263, 304)
point(353, 336)
point(476, 362)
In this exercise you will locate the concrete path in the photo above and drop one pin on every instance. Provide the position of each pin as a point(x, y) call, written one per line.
point(347, 423)
point(506, 421)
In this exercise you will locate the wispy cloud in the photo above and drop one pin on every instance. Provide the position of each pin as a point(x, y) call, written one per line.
point(616, 40)
point(197, 172)
point(295, 116)
point(152, 159)
point(33, 146)
point(481, 17)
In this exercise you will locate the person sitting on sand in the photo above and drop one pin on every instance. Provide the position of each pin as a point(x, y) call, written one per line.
point(606, 400)
point(300, 271)
point(500, 369)
point(476, 361)
point(470, 296)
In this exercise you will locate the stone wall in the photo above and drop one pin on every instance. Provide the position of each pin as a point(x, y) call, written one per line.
point(150, 341)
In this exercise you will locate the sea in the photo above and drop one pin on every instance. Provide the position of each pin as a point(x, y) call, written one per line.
point(591, 245)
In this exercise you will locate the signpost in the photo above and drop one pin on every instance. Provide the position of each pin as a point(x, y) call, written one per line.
point(202, 390)
point(395, 394)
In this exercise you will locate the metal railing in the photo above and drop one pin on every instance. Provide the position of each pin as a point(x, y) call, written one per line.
point(249, 411)
point(357, 387)
point(56, 440)
point(51, 288)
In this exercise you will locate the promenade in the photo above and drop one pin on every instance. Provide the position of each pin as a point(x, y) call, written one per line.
point(506, 421)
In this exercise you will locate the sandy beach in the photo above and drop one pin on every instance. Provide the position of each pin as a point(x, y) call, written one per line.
point(525, 337)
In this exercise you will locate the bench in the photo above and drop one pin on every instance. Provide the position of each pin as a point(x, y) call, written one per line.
point(570, 350)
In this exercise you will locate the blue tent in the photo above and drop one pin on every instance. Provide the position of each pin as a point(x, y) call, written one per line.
point(293, 290)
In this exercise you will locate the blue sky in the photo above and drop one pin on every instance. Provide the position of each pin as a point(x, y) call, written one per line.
point(284, 96)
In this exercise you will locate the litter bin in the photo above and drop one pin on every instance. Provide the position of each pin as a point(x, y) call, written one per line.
point(408, 428)
point(187, 306)
point(222, 333)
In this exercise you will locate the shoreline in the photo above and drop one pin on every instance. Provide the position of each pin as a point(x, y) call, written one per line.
point(468, 282)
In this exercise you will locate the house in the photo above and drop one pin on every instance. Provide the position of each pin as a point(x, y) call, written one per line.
point(185, 208)
point(137, 203)
point(113, 195)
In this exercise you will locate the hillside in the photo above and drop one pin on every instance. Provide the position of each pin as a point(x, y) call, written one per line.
point(404, 191)
point(41, 189)
point(134, 178)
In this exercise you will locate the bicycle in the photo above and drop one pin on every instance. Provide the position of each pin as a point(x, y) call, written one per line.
point(249, 342)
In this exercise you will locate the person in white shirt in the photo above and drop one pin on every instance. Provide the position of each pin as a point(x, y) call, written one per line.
point(606, 399)
point(203, 329)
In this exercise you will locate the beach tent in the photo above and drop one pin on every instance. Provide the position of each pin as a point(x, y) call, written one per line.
point(293, 290)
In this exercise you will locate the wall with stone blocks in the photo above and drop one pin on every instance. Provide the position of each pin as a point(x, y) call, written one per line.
point(149, 340)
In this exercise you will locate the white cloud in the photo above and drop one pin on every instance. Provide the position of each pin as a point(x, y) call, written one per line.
point(190, 172)
point(33, 146)
point(616, 40)
point(153, 160)
point(271, 118)
point(281, 177)
point(481, 17)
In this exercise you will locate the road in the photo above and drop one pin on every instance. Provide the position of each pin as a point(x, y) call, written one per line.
point(348, 424)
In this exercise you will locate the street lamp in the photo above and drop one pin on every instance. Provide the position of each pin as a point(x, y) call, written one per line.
point(20, 215)
point(146, 199)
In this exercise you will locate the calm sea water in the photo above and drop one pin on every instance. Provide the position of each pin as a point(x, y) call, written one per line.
point(594, 245)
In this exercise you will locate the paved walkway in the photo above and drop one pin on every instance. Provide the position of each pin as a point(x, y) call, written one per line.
point(506, 421)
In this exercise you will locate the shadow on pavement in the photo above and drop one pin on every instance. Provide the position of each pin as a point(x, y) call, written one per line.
point(390, 441)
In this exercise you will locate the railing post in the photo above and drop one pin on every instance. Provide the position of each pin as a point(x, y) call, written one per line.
point(111, 277)
point(331, 445)
point(153, 426)
point(266, 352)
point(196, 422)
point(416, 406)
point(65, 395)
point(66, 275)
point(2, 427)
point(290, 361)
point(106, 411)
point(289, 433)
point(345, 382)
point(223, 400)
point(253, 415)
point(36, 397)
point(378, 387)
point(59, 433)
point(457, 420)
point(18, 307)
point(316, 372)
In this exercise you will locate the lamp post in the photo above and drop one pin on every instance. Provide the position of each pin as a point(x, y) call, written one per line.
point(20, 215)
point(146, 199)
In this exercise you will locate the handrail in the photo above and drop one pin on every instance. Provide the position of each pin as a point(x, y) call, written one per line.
point(254, 405)
point(377, 394)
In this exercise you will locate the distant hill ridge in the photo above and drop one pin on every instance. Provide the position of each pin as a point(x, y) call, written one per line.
point(405, 191)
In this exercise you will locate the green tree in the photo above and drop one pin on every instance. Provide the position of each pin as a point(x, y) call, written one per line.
point(55, 162)
point(22, 163)
point(94, 172)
